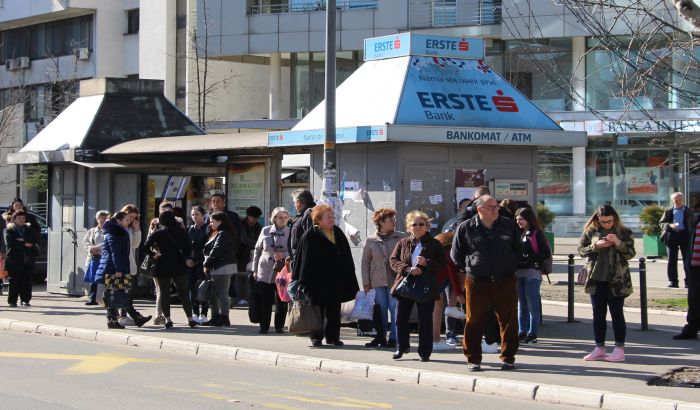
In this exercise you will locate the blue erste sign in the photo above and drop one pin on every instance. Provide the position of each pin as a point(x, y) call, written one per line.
point(464, 93)
point(423, 45)
point(316, 137)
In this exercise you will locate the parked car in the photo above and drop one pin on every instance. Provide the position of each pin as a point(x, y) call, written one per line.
point(39, 275)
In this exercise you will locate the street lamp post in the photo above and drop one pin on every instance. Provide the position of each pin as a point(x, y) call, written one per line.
point(329, 193)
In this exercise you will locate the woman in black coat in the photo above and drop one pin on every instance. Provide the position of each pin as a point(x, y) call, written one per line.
point(325, 271)
point(170, 248)
point(22, 250)
point(219, 265)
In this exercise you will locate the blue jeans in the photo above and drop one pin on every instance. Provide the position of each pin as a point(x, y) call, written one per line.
point(529, 313)
point(387, 304)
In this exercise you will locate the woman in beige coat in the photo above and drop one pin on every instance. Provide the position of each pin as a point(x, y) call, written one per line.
point(377, 275)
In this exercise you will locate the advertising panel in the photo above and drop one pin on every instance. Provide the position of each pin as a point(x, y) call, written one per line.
point(246, 187)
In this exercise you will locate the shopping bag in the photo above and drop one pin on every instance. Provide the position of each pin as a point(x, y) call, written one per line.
point(205, 289)
point(253, 305)
point(116, 298)
point(90, 270)
point(3, 272)
point(364, 305)
point(281, 281)
point(304, 319)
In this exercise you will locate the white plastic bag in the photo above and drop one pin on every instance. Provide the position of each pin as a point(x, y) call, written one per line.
point(364, 305)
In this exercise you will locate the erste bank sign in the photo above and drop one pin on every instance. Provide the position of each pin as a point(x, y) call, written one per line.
point(405, 44)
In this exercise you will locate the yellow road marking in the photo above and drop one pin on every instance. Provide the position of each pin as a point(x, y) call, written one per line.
point(314, 384)
point(97, 364)
point(324, 402)
point(369, 403)
point(280, 406)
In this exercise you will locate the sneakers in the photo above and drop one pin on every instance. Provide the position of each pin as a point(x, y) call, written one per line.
point(26, 304)
point(126, 321)
point(618, 355)
point(201, 319)
point(242, 302)
point(160, 320)
point(530, 339)
point(597, 354)
point(441, 346)
point(474, 367)
point(454, 312)
point(507, 366)
point(685, 336)
point(451, 339)
point(521, 337)
point(114, 325)
point(490, 348)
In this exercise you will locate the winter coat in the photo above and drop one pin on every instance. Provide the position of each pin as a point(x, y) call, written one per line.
point(300, 224)
point(325, 271)
point(620, 279)
point(667, 219)
point(249, 237)
point(218, 251)
point(528, 258)
point(376, 271)
point(93, 237)
point(433, 252)
point(134, 243)
point(487, 253)
point(20, 257)
point(174, 248)
point(271, 240)
point(115, 252)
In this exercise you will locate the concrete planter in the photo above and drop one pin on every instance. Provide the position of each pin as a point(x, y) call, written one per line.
point(550, 237)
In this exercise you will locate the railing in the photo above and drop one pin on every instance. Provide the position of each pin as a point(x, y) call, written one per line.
point(311, 5)
point(448, 13)
point(39, 208)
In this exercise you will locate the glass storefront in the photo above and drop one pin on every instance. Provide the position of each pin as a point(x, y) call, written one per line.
point(554, 181)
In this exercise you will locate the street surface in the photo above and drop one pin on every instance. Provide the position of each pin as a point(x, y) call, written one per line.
point(44, 372)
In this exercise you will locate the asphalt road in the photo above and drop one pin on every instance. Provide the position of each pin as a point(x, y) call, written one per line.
point(44, 372)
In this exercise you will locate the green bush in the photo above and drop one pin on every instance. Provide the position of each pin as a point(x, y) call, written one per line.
point(649, 220)
point(544, 216)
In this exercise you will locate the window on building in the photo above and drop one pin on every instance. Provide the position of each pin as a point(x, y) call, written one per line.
point(132, 21)
point(554, 181)
point(56, 38)
point(444, 13)
point(538, 68)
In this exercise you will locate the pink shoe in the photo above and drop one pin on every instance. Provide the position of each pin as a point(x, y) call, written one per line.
point(618, 355)
point(597, 354)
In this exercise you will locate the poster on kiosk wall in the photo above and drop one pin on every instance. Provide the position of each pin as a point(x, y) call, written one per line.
point(246, 187)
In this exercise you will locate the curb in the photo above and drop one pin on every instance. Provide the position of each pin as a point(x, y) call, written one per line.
point(498, 387)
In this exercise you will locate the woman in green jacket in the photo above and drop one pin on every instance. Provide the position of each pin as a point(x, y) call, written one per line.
point(607, 246)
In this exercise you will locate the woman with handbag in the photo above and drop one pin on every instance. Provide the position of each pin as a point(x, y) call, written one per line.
point(93, 246)
point(268, 260)
point(325, 272)
point(607, 246)
point(377, 274)
point(220, 265)
point(171, 263)
point(535, 250)
point(22, 250)
point(416, 260)
point(197, 235)
point(114, 260)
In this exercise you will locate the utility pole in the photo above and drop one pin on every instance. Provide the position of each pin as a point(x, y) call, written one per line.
point(329, 193)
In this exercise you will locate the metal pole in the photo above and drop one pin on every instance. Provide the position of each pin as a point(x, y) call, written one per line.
point(570, 297)
point(643, 293)
point(329, 194)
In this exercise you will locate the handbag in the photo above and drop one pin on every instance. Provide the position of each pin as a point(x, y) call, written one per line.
point(205, 290)
point(148, 266)
point(282, 279)
point(419, 288)
point(582, 276)
point(116, 298)
point(304, 319)
point(253, 307)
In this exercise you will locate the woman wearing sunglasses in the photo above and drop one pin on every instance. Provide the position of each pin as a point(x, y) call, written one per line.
point(608, 246)
point(418, 254)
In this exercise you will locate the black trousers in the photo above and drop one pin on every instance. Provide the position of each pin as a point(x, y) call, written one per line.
point(693, 316)
point(330, 314)
point(183, 292)
point(678, 241)
point(266, 296)
point(425, 325)
point(20, 285)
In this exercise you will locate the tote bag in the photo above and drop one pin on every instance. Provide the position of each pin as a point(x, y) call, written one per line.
point(304, 319)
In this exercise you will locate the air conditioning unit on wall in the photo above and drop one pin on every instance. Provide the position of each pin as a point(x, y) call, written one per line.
point(10, 64)
point(82, 53)
point(22, 62)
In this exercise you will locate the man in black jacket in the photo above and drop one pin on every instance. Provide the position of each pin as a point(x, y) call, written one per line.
point(690, 331)
point(486, 248)
point(676, 225)
point(304, 203)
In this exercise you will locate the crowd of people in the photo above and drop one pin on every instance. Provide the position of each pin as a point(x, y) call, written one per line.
point(490, 259)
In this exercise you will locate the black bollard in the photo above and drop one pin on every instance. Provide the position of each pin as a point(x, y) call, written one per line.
point(570, 316)
point(643, 293)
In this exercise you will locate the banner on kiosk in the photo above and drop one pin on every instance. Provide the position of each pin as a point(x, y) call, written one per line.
point(423, 45)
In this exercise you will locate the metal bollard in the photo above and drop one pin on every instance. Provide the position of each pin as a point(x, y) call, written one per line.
point(643, 293)
point(570, 284)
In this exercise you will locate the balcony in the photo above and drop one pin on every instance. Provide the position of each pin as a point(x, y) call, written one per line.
point(450, 13)
point(293, 6)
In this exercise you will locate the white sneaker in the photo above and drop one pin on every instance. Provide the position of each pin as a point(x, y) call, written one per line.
point(454, 312)
point(126, 321)
point(441, 346)
point(201, 319)
point(242, 302)
point(195, 318)
point(490, 348)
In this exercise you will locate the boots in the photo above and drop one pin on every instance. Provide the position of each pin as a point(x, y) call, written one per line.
point(618, 355)
point(597, 354)
point(141, 320)
point(214, 321)
point(225, 321)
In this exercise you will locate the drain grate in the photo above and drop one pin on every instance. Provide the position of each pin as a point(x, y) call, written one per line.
point(681, 377)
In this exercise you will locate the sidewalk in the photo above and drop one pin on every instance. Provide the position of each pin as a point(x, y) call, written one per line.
point(555, 360)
